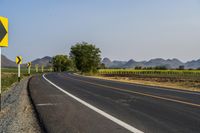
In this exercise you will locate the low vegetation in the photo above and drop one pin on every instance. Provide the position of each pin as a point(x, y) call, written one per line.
point(7, 80)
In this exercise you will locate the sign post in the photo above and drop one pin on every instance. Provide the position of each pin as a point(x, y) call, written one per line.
point(42, 68)
point(36, 67)
point(3, 43)
point(29, 68)
point(18, 62)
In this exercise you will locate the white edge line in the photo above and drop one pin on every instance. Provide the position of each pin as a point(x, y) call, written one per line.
point(110, 117)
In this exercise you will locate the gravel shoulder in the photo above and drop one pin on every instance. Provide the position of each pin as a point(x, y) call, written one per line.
point(18, 115)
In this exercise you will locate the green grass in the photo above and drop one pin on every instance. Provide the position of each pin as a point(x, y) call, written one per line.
point(7, 80)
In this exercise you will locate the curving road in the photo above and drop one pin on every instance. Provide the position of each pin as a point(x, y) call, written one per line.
point(70, 103)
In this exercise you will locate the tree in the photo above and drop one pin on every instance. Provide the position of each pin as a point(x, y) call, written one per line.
point(61, 63)
point(86, 57)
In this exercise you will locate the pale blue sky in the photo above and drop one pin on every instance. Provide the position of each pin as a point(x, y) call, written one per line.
point(122, 29)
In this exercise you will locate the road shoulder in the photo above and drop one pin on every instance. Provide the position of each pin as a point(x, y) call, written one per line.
point(18, 115)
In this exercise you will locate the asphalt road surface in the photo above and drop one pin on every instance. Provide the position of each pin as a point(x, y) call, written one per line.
point(76, 104)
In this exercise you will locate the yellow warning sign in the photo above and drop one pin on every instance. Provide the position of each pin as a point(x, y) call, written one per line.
point(29, 64)
point(3, 32)
point(19, 60)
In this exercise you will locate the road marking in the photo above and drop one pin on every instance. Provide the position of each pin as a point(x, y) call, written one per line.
point(139, 93)
point(110, 117)
point(45, 104)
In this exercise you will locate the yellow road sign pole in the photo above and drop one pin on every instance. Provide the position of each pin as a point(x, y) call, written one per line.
point(42, 68)
point(19, 73)
point(18, 62)
point(29, 70)
point(36, 68)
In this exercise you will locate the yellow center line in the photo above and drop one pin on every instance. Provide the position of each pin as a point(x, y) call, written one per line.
point(139, 93)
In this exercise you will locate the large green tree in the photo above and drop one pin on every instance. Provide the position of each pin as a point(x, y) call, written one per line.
point(61, 63)
point(86, 57)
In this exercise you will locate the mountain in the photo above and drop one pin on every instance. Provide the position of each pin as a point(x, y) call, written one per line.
point(42, 61)
point(118, 64)
point(107, 62)
point(169, 63)
point(132, 63)
point(113, 64)
point(5, 62)
point(174, 63)
point(193, 64)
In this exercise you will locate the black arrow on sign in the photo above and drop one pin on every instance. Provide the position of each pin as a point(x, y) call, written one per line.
point(3, 31)
point(29, 64)
point(19, 59)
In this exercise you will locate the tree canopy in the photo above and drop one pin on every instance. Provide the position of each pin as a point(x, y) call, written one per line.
point(61, 63)
point(86, 57)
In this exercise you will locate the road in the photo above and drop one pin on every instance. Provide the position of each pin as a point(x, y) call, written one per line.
point(71, 103)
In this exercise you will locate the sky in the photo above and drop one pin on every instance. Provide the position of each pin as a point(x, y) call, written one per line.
point(122, 29)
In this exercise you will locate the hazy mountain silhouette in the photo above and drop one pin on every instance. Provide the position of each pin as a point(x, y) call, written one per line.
point(42, 61)
point(169, 63)
point(5, 62)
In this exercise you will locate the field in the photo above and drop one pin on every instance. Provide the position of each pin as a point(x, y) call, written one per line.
point(9, 76)
point(186, 79)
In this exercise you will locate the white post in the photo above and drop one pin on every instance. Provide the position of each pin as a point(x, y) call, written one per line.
point(29, 70)
point(18, 72)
